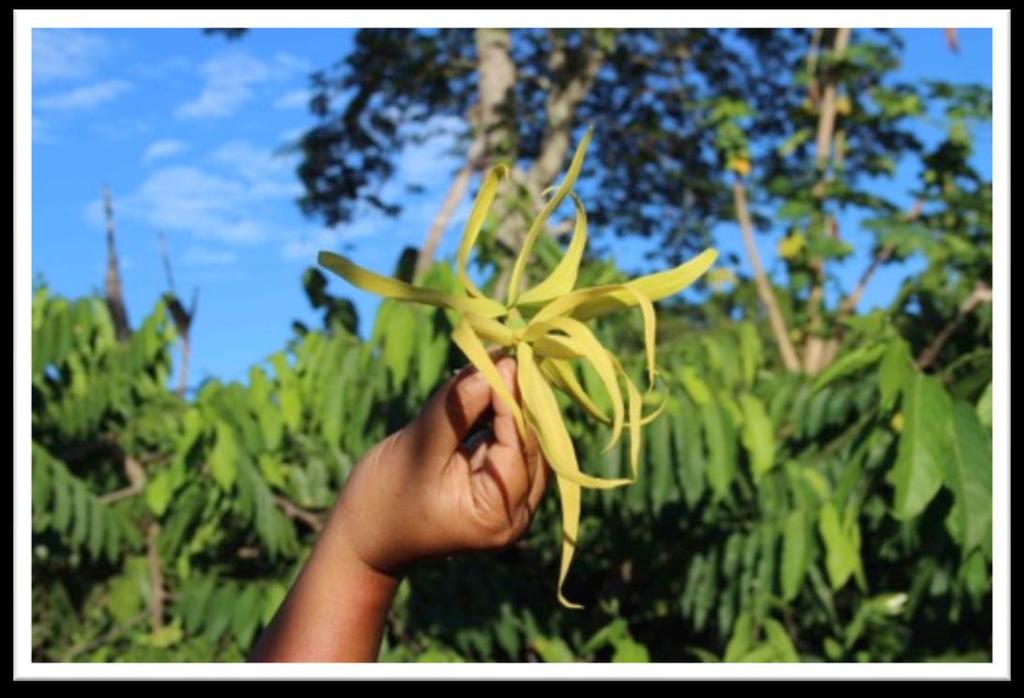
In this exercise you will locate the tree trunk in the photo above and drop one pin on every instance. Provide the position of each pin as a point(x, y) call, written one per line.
point(113, 287)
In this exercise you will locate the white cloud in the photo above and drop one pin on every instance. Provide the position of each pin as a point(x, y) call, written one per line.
point(163, 149)
point(66, 53)
point(268, 174)
point(188, 199)
point(295, 99)
point(291, 63)
point(234, 200)
point(199, 256)
point(307, 248)
point(229, 80)
point(87, 97)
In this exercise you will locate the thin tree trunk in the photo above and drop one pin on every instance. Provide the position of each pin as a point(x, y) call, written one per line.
point(815, 350)
point(113, 287)
point(981, 294)
point(572, 79)
point(827, 115)
point(497, 77)
point(761, 283)
point(456, 193)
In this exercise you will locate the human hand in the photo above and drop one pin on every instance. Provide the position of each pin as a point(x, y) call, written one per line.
point(422, 492)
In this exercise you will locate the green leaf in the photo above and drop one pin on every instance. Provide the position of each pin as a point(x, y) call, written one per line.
point(780, 641)
point(552, 649)
point(125, 600)
point(848, 363)
point(629, 650)
point(750, 351)
point(399, 342)
point(892, 372)
point(742, 638)
point(924, 445)
point(689, 450)
point(158, 492)
point(984, 408)
point(796, 548)
point(223, 457)
point(695, 386)
point(969, 476)
point(842, 557)
point(758, 435)
point(273, 596)
point(291, 408)
point(719, 432)
point(662, 480)
point(271, 425)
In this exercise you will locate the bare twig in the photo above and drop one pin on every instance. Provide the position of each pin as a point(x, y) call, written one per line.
point(764, 289)
point(951, 40)
point(849, 303)
point(293, 511)
point(113, 287)
point(182, 318)
point(982, 294)
point(136, 477)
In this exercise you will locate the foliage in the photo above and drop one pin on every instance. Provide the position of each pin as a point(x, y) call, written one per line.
point(841, 514)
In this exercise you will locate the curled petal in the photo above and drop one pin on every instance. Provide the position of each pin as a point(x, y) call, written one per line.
point(563, 277)
point(393, 288)
point(538, 224)
point(481, 206)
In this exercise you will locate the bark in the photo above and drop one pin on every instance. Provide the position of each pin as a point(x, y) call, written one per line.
point(761, 283)
point(456, 193)
point(497, 77)
point(572, 76)
point(815, 350)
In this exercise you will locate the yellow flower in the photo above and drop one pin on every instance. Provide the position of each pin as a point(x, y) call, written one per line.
point(544, 327)
point(791, 245)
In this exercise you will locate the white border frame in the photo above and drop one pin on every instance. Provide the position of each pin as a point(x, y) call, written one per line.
point(26, 20)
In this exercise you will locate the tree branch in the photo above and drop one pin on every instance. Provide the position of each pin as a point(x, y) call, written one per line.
point(814, 348)
point(761, 283)
point(456, 192)
point(981, 294)
point(157, 594)
point(113, 287)
point(827, 115)
point(293, 511)
point(136, 477)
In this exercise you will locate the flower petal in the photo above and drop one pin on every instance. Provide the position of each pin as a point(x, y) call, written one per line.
point(466, 340)
point(599, 358)
point(393, 288)
point(484, 199)
point(538, 223)
point(543, 415)
point(588, 303)
point(563, 278)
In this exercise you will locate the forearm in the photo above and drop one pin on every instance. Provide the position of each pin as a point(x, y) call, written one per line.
point(335, 611)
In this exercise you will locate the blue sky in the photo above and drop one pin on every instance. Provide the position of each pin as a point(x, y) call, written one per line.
point(187, 129)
